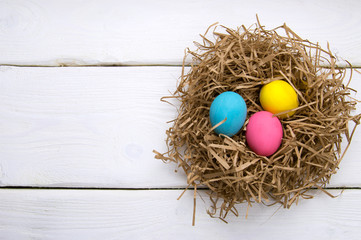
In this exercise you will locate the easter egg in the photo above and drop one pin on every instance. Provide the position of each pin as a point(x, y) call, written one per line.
point(228, 105)
point(279, 96)
point(264, 133)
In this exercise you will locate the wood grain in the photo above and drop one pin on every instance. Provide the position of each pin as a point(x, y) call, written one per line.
point(104, 214)
point(66, 32)
point(97, 127)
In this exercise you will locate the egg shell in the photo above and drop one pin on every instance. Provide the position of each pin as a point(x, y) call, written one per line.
point(228, 105)
point(264, 133)
point(279, 96)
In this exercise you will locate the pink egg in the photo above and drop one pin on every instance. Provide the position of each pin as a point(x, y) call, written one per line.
point(264, 133)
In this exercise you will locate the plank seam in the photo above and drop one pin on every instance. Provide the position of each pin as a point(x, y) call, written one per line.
point(94, 65)
point(141, 189)
point(124, 65)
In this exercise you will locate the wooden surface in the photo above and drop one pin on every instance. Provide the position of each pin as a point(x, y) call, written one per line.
point(96, 127)
point(111, 214)
point(157, 32)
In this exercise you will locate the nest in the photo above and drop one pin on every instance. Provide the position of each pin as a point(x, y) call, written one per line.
point(243, 60)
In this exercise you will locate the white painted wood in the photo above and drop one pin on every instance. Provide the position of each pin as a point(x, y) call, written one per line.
point(157, 32)
point(102, 214)
point(85, 126)
point(97, 127)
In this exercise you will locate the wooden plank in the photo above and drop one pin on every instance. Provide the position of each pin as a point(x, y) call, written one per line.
point(80, 32)
point(104, 214)
point(97, 127)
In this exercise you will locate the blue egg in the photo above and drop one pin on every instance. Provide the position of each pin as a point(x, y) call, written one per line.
point(228, 105)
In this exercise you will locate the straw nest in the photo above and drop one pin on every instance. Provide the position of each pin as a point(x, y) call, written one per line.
point(242, 61)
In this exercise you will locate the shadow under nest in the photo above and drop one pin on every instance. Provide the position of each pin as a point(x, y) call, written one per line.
point(242, 61)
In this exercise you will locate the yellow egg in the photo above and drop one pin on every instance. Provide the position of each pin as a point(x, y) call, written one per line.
point(279, 96)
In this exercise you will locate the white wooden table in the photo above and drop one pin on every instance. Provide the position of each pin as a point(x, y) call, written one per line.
point(76, 142)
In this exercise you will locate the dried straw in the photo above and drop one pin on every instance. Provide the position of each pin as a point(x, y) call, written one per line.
point(242, 61)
